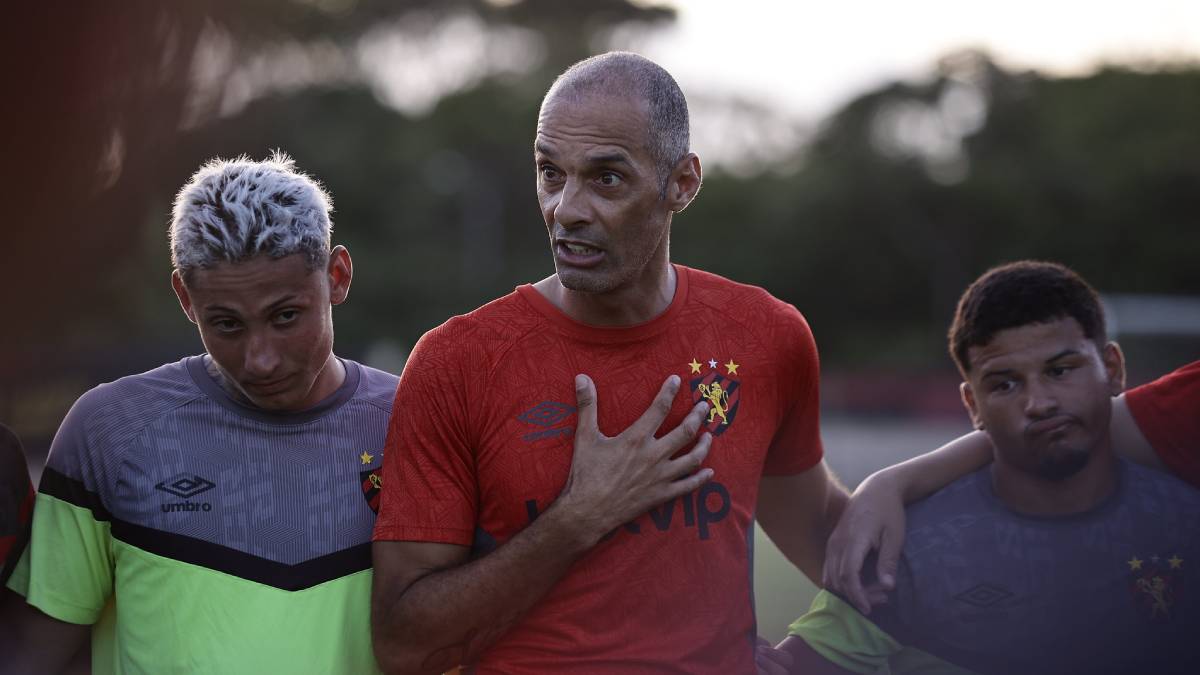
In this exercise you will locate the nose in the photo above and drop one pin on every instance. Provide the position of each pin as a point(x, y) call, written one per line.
point(262, 356)
point(571, 208)
point(1040, 399)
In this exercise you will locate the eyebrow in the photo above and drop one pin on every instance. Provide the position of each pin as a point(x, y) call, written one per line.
point(291, 297)
point(609, 158)
point(543, 149)
point(1062, 354)
point(1006, 371)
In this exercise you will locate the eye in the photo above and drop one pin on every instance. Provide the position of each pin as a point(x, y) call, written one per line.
point(1003, 386)
point(1059, 371)
point(609, 179)
point(286, 316)
point(225, 325)
point(548, 172)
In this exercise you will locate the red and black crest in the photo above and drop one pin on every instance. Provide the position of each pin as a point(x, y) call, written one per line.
point(372, 481)
point(1156, 585)
point(723, 395)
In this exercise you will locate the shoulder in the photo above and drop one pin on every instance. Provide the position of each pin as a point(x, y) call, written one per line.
point(1159, 491)
point(110, 415)
point(478, 337)
point(752, 307)
point(375, 386)
point(942, 520)
point(142, 396)
point(725, 294)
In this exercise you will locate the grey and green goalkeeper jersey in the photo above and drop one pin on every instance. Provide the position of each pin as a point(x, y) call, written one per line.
point(206, 536)
point(983, 589)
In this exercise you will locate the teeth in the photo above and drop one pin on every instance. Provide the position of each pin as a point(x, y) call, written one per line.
point(580, 249)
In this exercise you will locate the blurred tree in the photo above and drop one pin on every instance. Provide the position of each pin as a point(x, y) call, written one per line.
point(118, 103)
point(872, 228)
point(910, 191)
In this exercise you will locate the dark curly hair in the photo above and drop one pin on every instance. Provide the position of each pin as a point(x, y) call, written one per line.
point(1018, 294)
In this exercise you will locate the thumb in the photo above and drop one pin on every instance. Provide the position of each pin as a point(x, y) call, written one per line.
point(585, 403)
point(889, 556)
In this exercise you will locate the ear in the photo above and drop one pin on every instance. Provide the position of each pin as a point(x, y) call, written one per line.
point(181, 292)
point(1114, 367)
point(684, 183)
point(341, 271)
point(968, 399)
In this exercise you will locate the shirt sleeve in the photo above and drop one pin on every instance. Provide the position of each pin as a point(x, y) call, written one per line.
point(429, 490)
point(70, 561)
point(796, 446)
point(1167, 412)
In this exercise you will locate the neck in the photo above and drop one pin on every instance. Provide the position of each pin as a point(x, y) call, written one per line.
point(1031, 494)
point(646, 298)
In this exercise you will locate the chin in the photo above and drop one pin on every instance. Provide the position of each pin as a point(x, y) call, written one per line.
point(585, 282)
point(1063, 465)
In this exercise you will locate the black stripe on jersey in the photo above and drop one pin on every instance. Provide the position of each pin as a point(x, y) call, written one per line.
point(245, 565)
point(72, 491)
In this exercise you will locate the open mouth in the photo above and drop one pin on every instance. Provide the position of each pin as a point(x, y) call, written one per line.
point(575, 253)
point(581, 249)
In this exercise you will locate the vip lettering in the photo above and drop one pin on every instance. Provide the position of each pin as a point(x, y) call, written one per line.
point(700, 509)
point(186, 506)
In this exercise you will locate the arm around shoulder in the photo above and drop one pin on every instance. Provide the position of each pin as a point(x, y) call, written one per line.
point(874, 517)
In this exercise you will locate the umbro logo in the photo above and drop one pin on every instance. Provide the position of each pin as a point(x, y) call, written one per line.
point(186, 486)
point(984, 595)
point(547, 414)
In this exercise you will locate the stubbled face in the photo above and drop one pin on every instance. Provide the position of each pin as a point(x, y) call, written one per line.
point(600, 192)
point(1043, 393)
point(268, 326)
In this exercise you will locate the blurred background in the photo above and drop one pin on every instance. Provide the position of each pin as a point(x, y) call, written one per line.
point(862, 161)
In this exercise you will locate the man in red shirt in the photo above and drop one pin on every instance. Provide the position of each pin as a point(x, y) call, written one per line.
point(549, 503)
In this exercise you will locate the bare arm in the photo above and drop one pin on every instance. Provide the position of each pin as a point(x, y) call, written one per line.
point(33, 642)
point(874, 518)
point(1127, 438)
point(798, 512)
point(430, 611)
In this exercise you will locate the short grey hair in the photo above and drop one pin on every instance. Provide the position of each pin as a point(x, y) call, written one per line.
point(235, 209)
point(668, 138)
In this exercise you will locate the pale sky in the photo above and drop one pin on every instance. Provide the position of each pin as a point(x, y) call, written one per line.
point(809, 57)
point(758, 74)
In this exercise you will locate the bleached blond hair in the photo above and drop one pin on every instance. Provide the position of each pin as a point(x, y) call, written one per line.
point(235, 209)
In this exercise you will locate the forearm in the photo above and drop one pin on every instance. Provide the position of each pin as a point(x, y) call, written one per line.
point(921, 476)
point(798, 514)
point(451, 616)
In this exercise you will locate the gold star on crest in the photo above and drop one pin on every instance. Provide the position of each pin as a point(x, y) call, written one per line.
point(1176, 562)
point(366, 457)
point(731, 367)
point(1134, 563)
point(695, 366)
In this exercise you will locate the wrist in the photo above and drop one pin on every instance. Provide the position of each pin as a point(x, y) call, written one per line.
point(573, 529)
